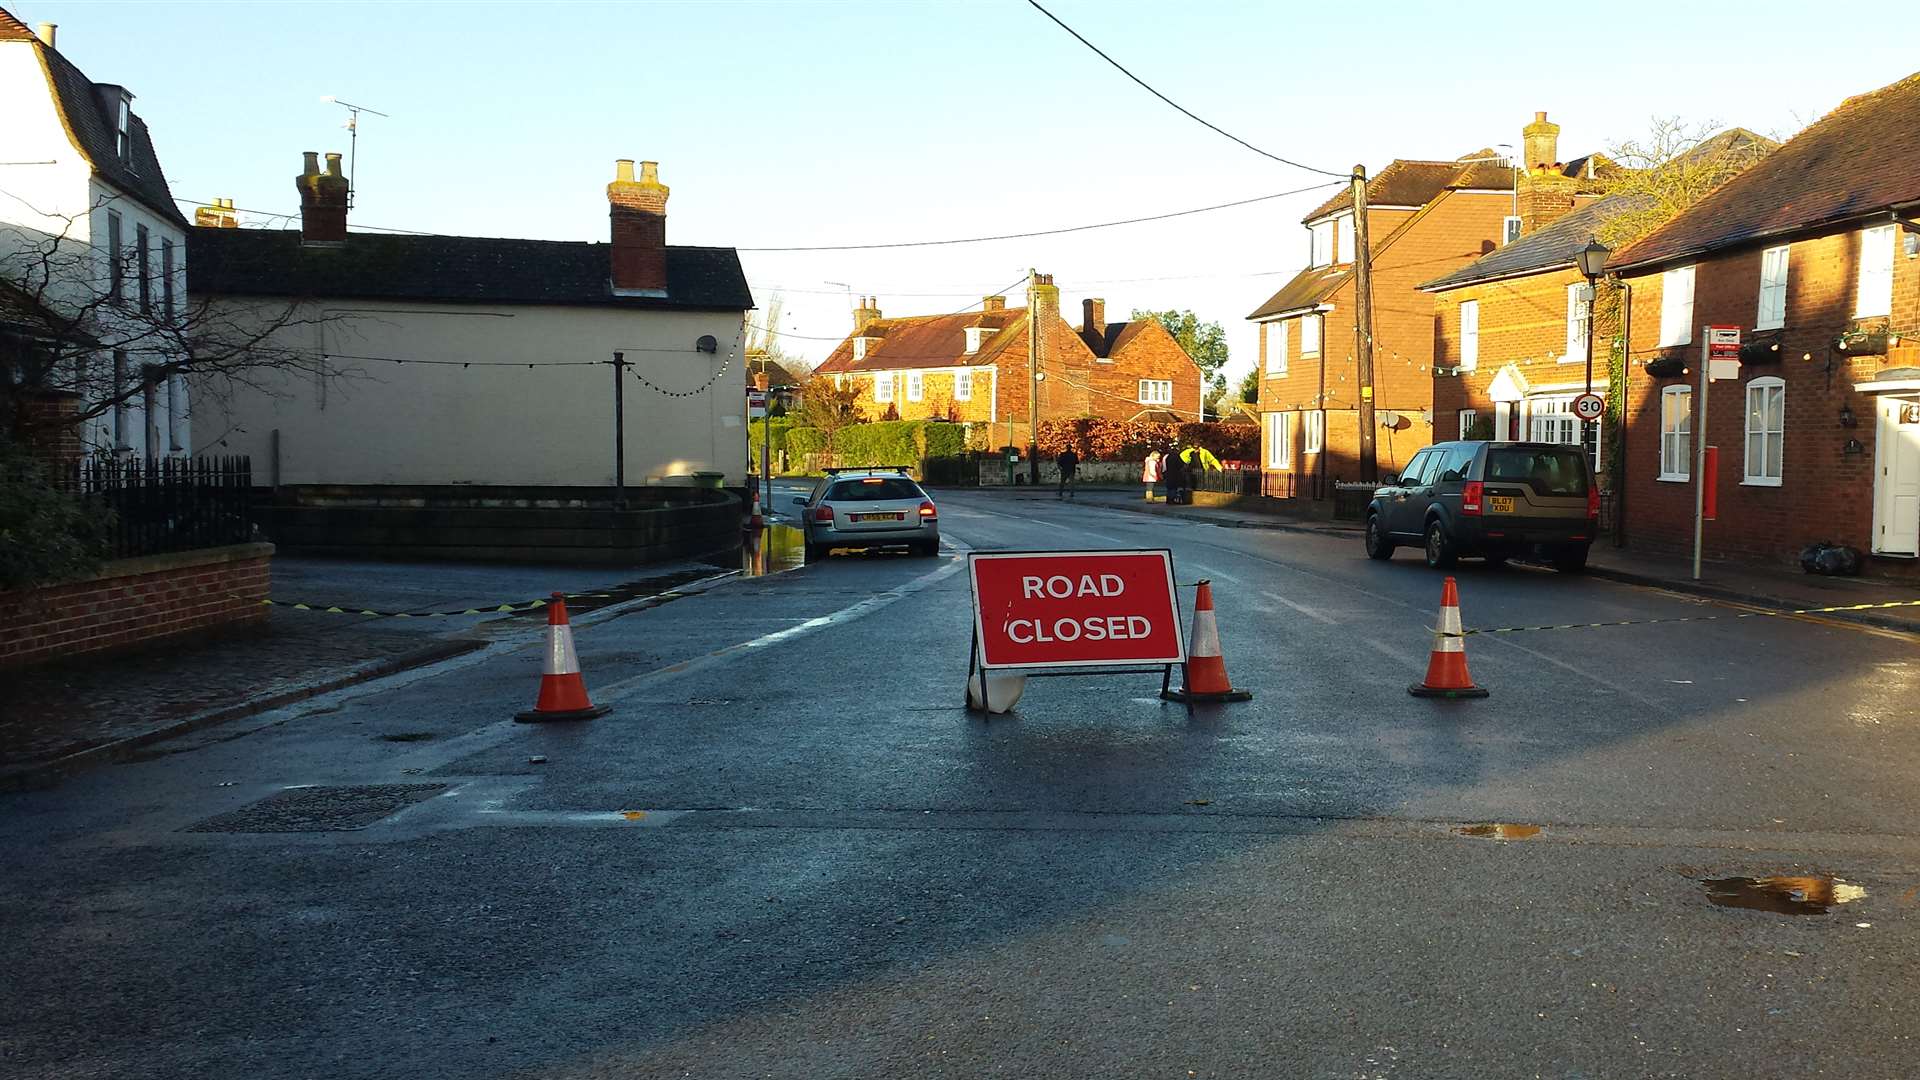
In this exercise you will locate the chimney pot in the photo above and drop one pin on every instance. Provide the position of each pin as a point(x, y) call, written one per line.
point(333, 164)
point(649, 172)
point(623, 169)
point(1540, 117)
point(323, 200)
point(46, 32)
point(312, 163)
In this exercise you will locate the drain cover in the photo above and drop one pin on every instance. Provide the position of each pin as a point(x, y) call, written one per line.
point(320, 809)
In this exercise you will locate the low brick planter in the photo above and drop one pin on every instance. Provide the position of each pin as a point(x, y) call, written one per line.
point(135, 601)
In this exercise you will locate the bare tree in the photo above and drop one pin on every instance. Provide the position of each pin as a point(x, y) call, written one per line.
point(105, 334)
point(1670, 168)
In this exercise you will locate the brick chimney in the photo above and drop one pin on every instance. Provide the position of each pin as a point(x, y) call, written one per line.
point(1046, 298)
point(866, 314)
point(221, 215)
point(638, 211)
point(993, 303)
point(1093, 324)
point(323, 201)
point(1540, 142)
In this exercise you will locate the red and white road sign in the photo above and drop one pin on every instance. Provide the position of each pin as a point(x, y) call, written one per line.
point(1589, 406)
point(756, 404)
point(1036, 609)
point(1723, 352)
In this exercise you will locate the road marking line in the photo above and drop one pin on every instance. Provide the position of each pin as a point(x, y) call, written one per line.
point(1303, 609)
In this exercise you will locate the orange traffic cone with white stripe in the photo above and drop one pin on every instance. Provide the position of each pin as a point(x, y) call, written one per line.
point(1205, 672)
point(563, 693)
point(1447, 675)
point(754, 520)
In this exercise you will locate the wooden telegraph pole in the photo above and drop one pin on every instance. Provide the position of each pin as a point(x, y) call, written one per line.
point(1033, 382)
point(1363, 324)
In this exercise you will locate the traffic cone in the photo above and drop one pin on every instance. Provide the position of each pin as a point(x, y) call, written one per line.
point(1447, 675)
point(1205, 672)
point(754, 520)
point(563, 693)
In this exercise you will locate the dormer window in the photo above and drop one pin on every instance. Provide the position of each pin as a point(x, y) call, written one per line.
point(123, 128)
point(859, 349)
point(1343, 226)
point(1320, 234)
point(975, 335)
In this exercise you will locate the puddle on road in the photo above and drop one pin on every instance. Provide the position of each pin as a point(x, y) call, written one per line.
point(773, 550)
point(1815, 894)
point(1500, 831)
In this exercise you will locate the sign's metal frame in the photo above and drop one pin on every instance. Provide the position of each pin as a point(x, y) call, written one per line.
point(976, 652)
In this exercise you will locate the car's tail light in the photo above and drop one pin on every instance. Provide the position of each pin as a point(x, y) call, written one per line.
point(823, 512)
point(1593, 503)
point(1470, 497)
point(928, 511)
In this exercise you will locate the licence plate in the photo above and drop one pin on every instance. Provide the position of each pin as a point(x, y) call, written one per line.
point(1501, 504)
point(895, 517)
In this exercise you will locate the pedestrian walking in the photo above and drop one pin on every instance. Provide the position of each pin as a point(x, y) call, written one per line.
point(1069, 465)
point(1150, 472)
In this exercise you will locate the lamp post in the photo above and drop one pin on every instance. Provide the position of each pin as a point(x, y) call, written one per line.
point(1592, 260)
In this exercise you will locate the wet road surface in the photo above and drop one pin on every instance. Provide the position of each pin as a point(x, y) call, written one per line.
point(789, 851)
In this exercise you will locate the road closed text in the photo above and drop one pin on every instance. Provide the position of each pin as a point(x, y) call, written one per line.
point(1045, 608)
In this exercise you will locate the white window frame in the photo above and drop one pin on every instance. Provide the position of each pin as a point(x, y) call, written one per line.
point(883, 387)
point(1277, 348)
point(1310, 342)
point(1676, 306)
point(1343, 238)
point(859, 349)
point(1550, 419)
point(1279, 440)
point(1774, 263)
point(123, 129)
point(1676, 438)
point(1470, 335)
point(1315, 438)
point(116, 259)
point(1320, 243)
point(916, 386)
point(1579, 323)
point(1468, 418)
point(963, 384)
point(1509, 229)
point(1873, 293)
point(1156, 392)
point(1771, 468)
point(975, 335)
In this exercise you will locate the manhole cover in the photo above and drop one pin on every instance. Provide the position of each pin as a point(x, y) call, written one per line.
point(320, 809)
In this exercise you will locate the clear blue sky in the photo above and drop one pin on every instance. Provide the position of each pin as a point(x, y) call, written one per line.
point(806, 123)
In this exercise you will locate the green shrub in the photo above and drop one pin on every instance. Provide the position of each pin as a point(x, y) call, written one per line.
point(944, 440)
point(802, 441)
point(889, 442)
point(46, 535)
point(779, 434)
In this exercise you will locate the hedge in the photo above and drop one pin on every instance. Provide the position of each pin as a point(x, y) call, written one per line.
point(887, 442)
point(1097, 439)
point(781, 426)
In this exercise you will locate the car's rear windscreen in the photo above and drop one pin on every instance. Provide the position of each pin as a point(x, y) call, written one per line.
point(1552, 472)
point(873, 489)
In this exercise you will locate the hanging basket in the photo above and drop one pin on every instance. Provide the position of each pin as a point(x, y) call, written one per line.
point(1666, 365)
point(1760, 352)
point(1868, 341)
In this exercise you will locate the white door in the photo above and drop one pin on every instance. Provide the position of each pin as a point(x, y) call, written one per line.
point(1896, 492)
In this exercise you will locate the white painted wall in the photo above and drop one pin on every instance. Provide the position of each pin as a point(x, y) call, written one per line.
point(418, 423)
point(63, 208)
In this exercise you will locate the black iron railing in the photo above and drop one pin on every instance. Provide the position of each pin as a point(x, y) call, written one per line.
point(168, 504)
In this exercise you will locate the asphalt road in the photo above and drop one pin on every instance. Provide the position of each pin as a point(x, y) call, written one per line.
point(789, 852)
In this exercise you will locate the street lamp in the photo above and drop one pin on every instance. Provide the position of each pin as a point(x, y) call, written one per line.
point(1592, 260)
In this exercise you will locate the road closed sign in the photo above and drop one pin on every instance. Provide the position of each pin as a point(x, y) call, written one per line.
point(1034, 609)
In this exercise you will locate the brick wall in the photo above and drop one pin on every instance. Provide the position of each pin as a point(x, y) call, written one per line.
point(1825, 493)
point(54, 434)
point(136, 601)
point(1523, 323)
point(1151, 353)
point(1453, 231)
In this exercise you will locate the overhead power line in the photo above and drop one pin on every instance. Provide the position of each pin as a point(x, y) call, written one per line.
point(1183, 109)
point(276, 214)
point(1001, 291)
point(1051, 232)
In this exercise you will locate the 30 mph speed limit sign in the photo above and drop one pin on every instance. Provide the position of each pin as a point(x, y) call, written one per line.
point(1589, 406)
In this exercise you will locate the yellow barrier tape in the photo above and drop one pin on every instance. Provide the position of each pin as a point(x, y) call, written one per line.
point(1683, 619)
point(341, 609)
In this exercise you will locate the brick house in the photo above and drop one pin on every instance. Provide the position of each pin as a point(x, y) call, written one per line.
point(1511, 335)
point(1424, 218)
point(972, 366)
point(1814, 253)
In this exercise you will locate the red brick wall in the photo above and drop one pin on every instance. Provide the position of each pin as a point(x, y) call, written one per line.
point(1825, 494)
point(1151, 353)
point(1453, 231)
point(1523, 322)
point(136, 601)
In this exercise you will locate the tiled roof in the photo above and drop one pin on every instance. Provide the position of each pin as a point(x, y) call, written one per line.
point(12, 29)
point(1862, 158)
point(1417, 183)
point(87, 115)
point(261, 262)
point(925, 341)
point(1554, 247)
point(1308, 287)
